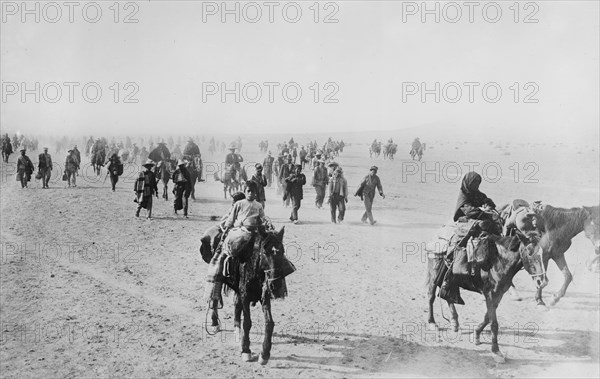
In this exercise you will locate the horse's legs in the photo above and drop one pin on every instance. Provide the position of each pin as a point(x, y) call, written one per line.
point(486, 321)
point(431, 289)
point(247, 324)
point(269, 326)
point(562, 265)
point(494, 320)
point(237, 313)
point(454, 322)
point(538, 292)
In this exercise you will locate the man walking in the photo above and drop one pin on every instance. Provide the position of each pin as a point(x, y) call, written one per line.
point(78, 155)
point(268, 168)
point(338, 195)
point(366, 191)
point(284, 172)
point(45, 167)
point(71, 166)
point(183, 188)
point(145, 188)
point(294, 188)
point(115, 169)
point(319, 181)
point(302, 154)
point(261, 181)
point(24, 169)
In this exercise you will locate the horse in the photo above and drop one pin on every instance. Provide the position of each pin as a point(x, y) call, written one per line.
point(6, 149)
point(232, 180)
point(258, 274)
point(195, 169)
point(416, 152)
point(503, 257)
point(163, 171)
point(375, 149)
point(389, 150)
point(561, 225)
point(98, 159)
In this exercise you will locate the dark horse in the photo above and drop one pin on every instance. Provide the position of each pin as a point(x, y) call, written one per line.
point(194, 167)
point(7, 149)
point(503, 257)
point(98, 159)
point(561, 225)
point(163, 171)
point(257, 276)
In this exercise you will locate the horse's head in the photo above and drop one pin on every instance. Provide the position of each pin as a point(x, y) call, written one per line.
point(531, 254)
point(274, 262)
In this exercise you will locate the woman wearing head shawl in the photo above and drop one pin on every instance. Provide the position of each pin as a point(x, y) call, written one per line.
point(470, 199)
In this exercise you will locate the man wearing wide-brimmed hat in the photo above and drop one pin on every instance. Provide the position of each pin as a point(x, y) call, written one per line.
point(285, 171)
point(294, 190)
point(319, 181)
point(144, 188)
point(183, 187)
point(366, 191)
point(261, 181)
point(24, 168)
point(115, 169)
point(45, 167)
point(232, 161)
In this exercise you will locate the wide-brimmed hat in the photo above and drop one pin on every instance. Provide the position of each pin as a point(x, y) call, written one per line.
point(23, 149)
point(68, 151)
point(232, 146)
point(374, 168)
point(149, 162)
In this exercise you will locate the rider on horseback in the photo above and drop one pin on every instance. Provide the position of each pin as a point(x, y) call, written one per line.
point(477, 210)
point(232, 162)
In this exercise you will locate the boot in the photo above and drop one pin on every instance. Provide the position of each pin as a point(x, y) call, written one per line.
point(449, 290)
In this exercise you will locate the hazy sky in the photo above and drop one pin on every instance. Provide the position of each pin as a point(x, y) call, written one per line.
point(368, 55)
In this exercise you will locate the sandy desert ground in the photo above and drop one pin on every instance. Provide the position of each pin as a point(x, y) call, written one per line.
point(88, 290)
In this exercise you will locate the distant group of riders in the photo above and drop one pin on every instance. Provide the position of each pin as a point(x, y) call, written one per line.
point(390, 149)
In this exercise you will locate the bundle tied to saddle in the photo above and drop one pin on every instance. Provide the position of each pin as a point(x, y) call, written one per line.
point(462, 243)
